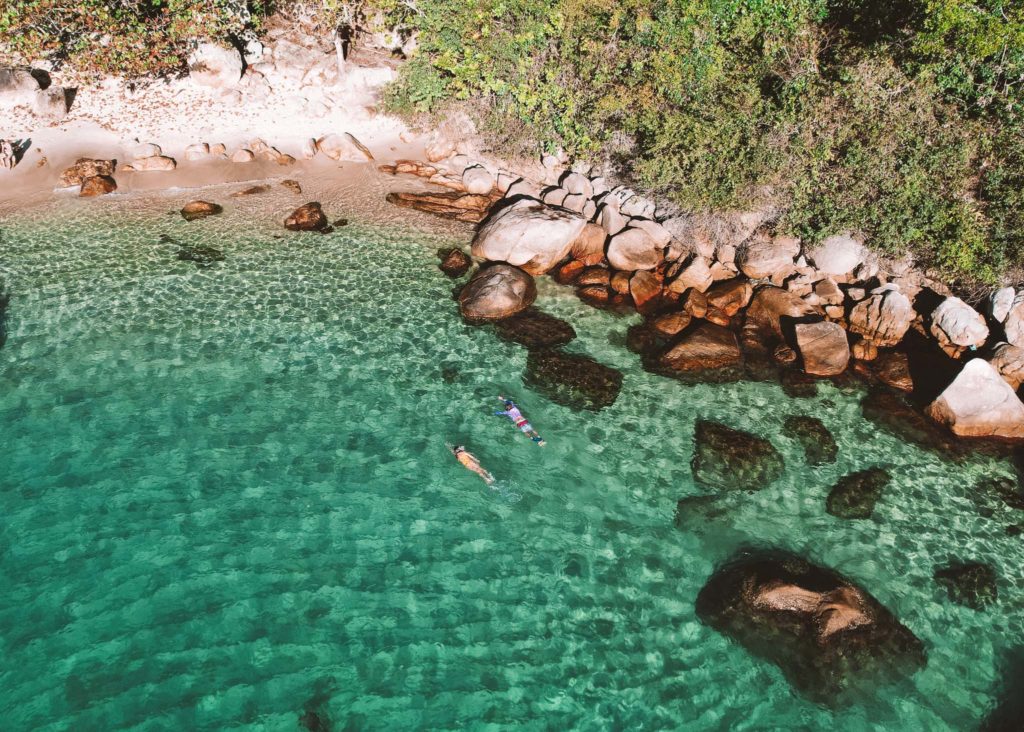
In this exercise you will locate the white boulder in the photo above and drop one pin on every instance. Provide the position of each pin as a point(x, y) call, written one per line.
point(215, 66)
point(634, 249)
point(837, 255)
point(955, 323)
point(979, 403)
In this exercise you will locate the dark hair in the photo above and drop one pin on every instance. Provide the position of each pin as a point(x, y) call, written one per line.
point(509, 403)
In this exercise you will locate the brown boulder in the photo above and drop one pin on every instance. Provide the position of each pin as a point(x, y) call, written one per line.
point(671, 324)
point(309, 217)
point(97, 185)
point(594, 276)
point(704, 347)
point(823, 348)
point(497, 292)
point(597, 296)
point(893, 369)
point(620, 282)
point(569, 272)
point(645, 289)
point(200, 209)
point(455, 263)
point(86, 168)
point(730, 296)
point(883, 318)
point(450, 205)
point(770, 308)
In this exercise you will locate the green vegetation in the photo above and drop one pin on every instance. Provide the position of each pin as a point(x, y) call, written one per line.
point(902, 120)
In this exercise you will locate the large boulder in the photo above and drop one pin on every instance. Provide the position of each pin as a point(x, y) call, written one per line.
point(17, 86)
point(893, 369)
point(85, 168)
point(478, 180)
point(154, 163)
point(763, 256)
point(703, 348)
point(855, 495)
point(823, 348)
point(572, 380)
point(812, 434)
point(497, 292)
point(1000, 303)
point(1014, 322)
point(955, 323)
point(770, 309)
point(1008, 360)
point(730, 459)
point(344, 147)
point(536, 237)
point(979, 403)
point(837, 255)
point(696, 275)
point(214, 66)
point(51, 102)
point(634, 249)
point(308, 217)
point(882, 318)
point(832, 640)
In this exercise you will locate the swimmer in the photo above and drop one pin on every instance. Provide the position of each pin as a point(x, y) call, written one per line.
point(513, 413)
point(470, 462)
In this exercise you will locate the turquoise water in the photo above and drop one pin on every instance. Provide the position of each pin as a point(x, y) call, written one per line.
point(227, 500)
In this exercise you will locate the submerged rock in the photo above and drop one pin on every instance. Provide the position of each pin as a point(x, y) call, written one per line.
point(893, 370)
point(831, 638)
point(1009, 709)
point(705, 347)
point(202, 256)
point(455, 263)
point(732, 459)
point(308, 217)
point(818, 444)
point(972, 584)
point(251, 191)
point(292, 185)
point(200, 210)
point(497, 292)
point(1007, 490)
point(572, 380)
point(535, 329)
point(448, 204)
point(855, 495)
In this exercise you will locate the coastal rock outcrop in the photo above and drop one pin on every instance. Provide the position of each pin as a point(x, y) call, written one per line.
point(955, 324)
point(308, 217)
point(769, 309)
point(812, 434)
point(763, 256)
point(634, 249)
point(831, 638)
point(200, 209)
point(855, 495)
point(837, 255)
point(823, 347)
point(449, 204)
point(972, 584)
point(979, 403)
point(497, 292)
point(572, 380)
point(85, 168)
point(215, 66)
point(703, 348)
point(882, 318)
point(97, 185)
point(1008, 360)
point(536, 237)
point(731, 459)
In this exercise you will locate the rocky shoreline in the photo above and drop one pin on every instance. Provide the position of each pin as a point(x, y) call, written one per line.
point(724, 297)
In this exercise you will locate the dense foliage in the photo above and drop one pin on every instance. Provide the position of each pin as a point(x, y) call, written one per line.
point(902, 120)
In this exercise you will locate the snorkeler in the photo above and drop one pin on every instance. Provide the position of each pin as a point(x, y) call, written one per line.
point(513, 413)
point(470, 462)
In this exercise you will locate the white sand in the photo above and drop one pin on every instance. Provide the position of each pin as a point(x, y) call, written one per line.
point(109, 119)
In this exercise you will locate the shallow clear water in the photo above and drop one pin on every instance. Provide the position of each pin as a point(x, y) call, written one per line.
point(226, 500)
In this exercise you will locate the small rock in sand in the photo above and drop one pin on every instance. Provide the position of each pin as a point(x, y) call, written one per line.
point(309, 217)
point(242, 156)
point(200, 210)
point(292, 185)
point(97, 185)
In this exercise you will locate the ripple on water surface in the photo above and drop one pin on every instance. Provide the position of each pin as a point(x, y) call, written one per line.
point(227, 500)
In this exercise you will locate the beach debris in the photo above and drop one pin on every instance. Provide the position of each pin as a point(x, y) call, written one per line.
point(97, 185)
point(308, 217)
point(200, 209)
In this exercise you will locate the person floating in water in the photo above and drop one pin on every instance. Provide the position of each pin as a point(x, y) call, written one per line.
point(512, 412)
point(470, 462)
